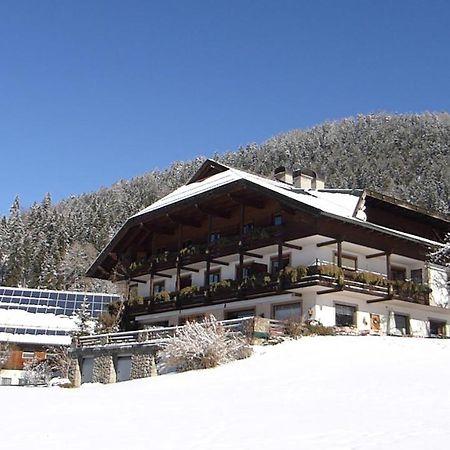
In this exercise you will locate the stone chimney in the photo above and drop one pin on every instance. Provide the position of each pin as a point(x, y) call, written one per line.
point(308, 179)
point(283, 175)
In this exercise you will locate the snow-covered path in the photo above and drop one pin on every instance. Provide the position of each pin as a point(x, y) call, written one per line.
point(315, 393)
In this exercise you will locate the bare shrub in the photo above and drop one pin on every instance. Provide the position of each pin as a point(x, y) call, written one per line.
point(202, 345)
point(299, 328)
point(5, 352)
point(55, 365)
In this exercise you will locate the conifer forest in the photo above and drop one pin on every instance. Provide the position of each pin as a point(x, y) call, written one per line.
point(50, 245)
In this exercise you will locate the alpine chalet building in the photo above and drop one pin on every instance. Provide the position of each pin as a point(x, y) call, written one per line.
point(234, 244)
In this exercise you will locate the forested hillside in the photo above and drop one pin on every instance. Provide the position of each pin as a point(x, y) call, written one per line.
point(407, 156)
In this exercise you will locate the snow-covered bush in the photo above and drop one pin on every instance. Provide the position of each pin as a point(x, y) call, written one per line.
point(42, 371)
point(298, 328)
point(37, 372)
point(202, 345)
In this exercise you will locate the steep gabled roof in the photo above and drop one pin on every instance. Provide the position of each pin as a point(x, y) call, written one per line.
point(346, 205)
point(212, 175)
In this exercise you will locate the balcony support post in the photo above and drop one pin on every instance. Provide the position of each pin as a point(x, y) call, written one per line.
point(208, 253)
point(241, 234)
point(152, 275)
point(388, 265)
point(280, 262)
point(177, 281)
point(339, 253)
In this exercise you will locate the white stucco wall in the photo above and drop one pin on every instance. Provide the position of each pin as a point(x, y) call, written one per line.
point(437, 281)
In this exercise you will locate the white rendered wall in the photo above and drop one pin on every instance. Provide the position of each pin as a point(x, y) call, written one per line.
point(437, 281)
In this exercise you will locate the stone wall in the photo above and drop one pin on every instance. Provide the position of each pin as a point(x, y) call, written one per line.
point(104, 371)
point(142, 366)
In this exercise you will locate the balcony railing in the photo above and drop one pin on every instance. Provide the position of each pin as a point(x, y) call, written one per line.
point(289, 279)
point(227, 244)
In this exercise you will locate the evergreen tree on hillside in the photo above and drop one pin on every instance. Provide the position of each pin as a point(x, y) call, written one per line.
point(15, 255)
point(407, 156)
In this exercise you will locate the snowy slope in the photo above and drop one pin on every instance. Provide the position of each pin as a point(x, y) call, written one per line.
point(316, 393)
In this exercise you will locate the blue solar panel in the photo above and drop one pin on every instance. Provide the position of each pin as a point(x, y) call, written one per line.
point(56, 302)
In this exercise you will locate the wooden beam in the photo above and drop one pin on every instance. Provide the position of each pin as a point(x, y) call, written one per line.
point(189, 269)
point(330, 291)
point(252, 255)
point(382, 299)
point(376, 255)
point(220, 263)
point(162, 275)
point(288, 209)
point(135, 280)
point(295, 247)
point(160, 230)
point(253, 203)
point(339, 253)
point(325, 243)
point(388, 266)
point(131, 235)
point(184, 221)
point(213, 211)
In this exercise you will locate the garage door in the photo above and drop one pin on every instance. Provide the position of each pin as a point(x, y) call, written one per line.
point(87, 370)
point(123, 368)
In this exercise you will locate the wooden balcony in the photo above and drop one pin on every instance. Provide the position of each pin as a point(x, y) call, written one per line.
point(230, 243)
point(331, 277)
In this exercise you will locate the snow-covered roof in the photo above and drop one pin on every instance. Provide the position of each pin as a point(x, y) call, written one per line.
point(15, 318)
point(341, 204)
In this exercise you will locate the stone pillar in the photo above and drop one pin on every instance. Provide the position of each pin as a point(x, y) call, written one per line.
point(104, 371)
point(141, 366)
point(74, 373)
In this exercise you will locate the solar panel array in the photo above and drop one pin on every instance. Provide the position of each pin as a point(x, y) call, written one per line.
point(55, 302)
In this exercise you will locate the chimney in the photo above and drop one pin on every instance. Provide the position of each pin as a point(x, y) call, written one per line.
point(283, 175)
point(308, 179)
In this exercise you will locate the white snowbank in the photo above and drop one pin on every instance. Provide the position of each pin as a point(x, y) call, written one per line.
point(317, 393)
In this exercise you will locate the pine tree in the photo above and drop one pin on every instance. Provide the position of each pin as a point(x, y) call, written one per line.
point(83, 320)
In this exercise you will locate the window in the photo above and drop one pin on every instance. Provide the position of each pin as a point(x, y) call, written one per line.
point(401, 323)
point(214, 276)
point(161, 323)
point(345, 315)
point(274, 264)
point(247, 228)
point(398, 274)
point(6, 381)
point(214, 237)
point(246, 271)
point(416, 276)
point(349, 262)
point(159, 286)
point(239, 314)
point(278, 220)
point(289, 311)
point(437, 328)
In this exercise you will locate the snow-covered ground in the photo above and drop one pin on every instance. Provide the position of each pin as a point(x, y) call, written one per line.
point(316, 393)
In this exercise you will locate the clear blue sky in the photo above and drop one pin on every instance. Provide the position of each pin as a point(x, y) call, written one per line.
point(95, 91)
